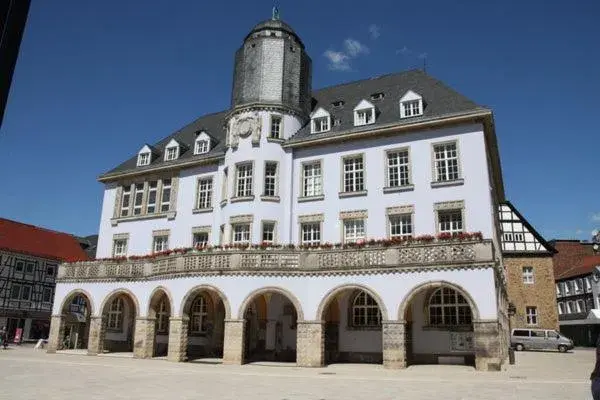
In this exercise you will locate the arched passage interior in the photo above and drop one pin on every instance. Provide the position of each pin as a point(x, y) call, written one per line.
point(118, 318)
point(270, 327)
point(439, 327)
point(204, 311)
point(160, 312)
point(76, 312)
point(352, 327)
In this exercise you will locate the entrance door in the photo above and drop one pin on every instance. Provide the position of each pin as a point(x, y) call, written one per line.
point(332, 334)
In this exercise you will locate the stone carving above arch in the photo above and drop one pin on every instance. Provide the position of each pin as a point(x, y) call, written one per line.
point(116, 292)
point(429, 286)
point(349, 287)
point(272, 289)
point(71, 295)
point(193, 292)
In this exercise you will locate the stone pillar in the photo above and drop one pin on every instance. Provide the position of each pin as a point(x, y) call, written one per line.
point(144, 337)
point(233, 346)
point(394, 351)
point(487, 342)
point(96, 338)
point(178, 339)
point(57, 331)
point(310, 344)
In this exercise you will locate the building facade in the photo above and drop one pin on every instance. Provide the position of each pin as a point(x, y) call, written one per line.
point(529, 268)
point(577, 274)
point(353, 223)
point(29, 259)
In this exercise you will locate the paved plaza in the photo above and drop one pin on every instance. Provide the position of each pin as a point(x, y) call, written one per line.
point(29, 374)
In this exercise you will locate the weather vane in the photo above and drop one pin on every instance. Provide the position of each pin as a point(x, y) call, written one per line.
point(275, 13)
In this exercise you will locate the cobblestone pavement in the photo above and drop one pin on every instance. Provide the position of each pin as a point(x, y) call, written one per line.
point(29, 374)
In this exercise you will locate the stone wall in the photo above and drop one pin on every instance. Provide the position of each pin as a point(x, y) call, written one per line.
point(143, 345)
point(540, 294)
point(488, 345)
point(57, 327)
point(178, 339)
point(97, 334)
point(233, 346)
point(394, 352)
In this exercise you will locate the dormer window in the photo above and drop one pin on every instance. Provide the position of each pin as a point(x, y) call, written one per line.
point(201, 146)
point(338, 104)
point(144, 156)
point(411, 105)
point(320, 122)
point(143, 159)
point(171, 153)
point(377, 96)
point(172, 150)
point(364, 113)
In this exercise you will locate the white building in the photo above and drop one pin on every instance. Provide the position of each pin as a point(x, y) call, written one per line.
point(353, 223)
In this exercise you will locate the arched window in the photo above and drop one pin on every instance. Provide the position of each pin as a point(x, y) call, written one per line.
point(447, 307)
point(115, 314)
point(199, 315)
point(162, 317)
point(365, 311)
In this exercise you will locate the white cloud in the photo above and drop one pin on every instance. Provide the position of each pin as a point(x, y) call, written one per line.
point(422, 56)
point(404, 51)
point(355, 48)
point(374, 31)
point(578, 232)
point(596, 217)
point(338, 61)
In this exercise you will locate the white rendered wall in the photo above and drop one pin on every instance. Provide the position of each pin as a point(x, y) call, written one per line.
point(475, 192)
point(309, 290)
point(357, 340)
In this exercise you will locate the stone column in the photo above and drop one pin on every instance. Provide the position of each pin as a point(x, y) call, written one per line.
point(178, 339)
point(487, 342)
point(233, 346)
point(96, 338)
point(310, 344)
point(57, 331)
point(144, 337)
point(394, 351)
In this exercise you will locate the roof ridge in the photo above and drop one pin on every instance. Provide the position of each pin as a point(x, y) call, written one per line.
point(368, 79)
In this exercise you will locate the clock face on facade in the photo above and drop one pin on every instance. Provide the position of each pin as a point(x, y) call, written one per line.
point(244, 127)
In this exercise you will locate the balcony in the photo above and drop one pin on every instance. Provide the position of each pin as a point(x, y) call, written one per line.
point(294, 261)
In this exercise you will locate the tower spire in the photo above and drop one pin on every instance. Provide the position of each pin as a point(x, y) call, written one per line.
point(275, 16)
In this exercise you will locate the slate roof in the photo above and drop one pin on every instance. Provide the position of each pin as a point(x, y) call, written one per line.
point(40, 242)
point(439, 101)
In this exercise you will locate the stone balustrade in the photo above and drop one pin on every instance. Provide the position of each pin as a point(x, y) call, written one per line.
point(447, 254)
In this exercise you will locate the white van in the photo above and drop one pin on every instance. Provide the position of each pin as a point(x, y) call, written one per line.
point(539, 339)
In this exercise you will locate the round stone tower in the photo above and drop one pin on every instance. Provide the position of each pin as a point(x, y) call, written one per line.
point(271, 101)
point(272, 68)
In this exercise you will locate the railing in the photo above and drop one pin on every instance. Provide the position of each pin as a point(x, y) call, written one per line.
point(431, 255)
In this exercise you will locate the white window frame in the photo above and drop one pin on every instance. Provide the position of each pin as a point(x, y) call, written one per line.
point(171, 153)
point(444, 300)
point(442, 224)
point(199, 314)
point(271, 181)
point(162, 317)
point(353, 173)
point(160, 243)
point(365, 311)
point(561, 308)
point(138, 193)
point(12, 288)
point(200, 243)
point(152, 190)
point(275, 128)
point(204, 193)
point(273, 226)
point(405, 227)
point(588, 284)
point(119, 247)
point(49, 291)
point(320, 124)
point(580, 304)
point(312, 179)
point(528, 275)
point(244, 179)
point(354, 229)
point(125, 205)
point(446, 162)
point(241, 233)
point(201, 146)
point(398, 164)
point(144, 159)
point(166, 187)
point(411, 108)
point(531, 316)
point(115, 314)
point(364, 116)
point(310, 233)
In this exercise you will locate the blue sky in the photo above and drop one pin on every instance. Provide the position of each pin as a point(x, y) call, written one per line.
point(97, 79)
